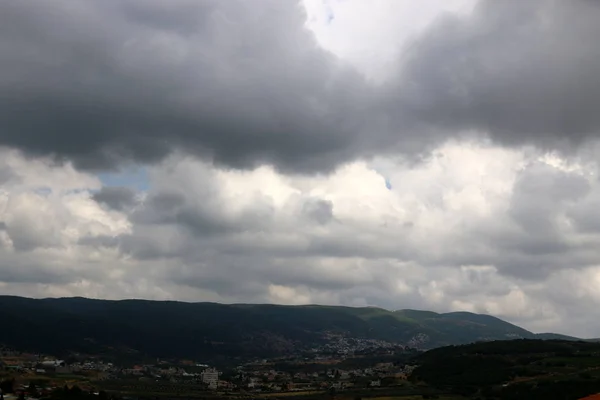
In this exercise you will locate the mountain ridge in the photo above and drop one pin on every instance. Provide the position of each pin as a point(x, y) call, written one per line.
point(207, 329)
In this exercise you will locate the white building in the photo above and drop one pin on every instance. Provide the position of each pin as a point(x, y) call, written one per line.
point(210, 377)
point(253, 382)
point(375, 383)
point(53, 363)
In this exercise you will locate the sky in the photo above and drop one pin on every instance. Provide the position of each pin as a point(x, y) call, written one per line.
point(439, 154)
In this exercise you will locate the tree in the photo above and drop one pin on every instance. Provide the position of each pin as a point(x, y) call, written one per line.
point(7, 385)
point(332, 392)
point(75, 391)
point(32, 390)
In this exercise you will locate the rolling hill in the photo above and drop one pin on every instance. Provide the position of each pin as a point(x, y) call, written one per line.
point(513, 370)
point(205, 330)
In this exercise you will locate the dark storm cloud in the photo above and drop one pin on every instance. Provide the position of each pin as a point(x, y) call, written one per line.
point(524, 71)
point(99, 82)
point(116, 197)
point(242, 82)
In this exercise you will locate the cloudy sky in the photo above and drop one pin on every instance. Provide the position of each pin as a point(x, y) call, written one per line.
point(431, 154)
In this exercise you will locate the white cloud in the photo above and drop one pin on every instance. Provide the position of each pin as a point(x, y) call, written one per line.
point(45, 210)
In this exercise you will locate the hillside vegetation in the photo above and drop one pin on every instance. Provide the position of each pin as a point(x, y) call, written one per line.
point(204, 330)
point(517, 369)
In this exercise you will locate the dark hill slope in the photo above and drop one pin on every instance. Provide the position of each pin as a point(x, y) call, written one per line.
point(515, 369)
point(205, 330)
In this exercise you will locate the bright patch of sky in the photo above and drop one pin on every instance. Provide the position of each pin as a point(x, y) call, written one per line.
point(372, 34)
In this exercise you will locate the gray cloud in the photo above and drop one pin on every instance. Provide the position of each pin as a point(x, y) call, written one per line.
point(241, 83)
point(116, 197)
point(526, 72)
point(586, 215)
point(199, 214)
point(321, 211)
point(100, 241)
point(26, 235)
point(32, 274)
point(5, 175)
point(230, 81)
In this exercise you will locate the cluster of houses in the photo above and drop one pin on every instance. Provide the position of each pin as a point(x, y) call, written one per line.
point(341, 345)
point(209, 377)
point(253, 377)
point(381, 374)
point(30, 363)
point(248, 378)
